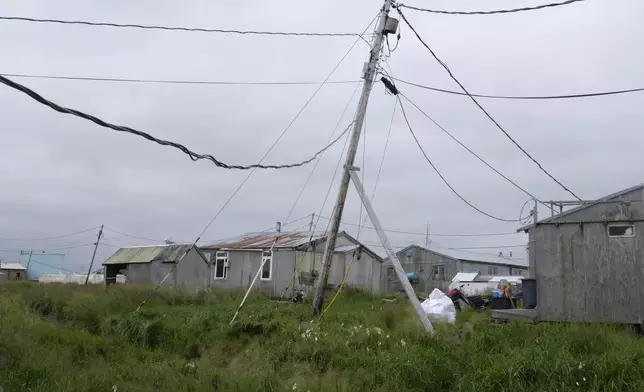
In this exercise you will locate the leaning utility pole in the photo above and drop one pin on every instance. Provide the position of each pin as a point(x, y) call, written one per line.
point(385, 26)
point(91, 264)
point(368, 76)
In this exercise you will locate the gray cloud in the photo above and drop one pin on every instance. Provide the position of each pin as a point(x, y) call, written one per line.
point(61, 174)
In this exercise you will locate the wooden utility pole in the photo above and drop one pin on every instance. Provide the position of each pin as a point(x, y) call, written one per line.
point(311, 223)
point(369, 76)
point(91, 264)
point(427, 240)
point(31, 252)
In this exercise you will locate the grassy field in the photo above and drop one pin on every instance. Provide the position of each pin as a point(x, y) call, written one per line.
point(76, 338)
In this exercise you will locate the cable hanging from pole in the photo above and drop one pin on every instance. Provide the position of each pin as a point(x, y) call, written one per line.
point(493, 12)
point(193, 155)
point(177, 28)
point(488, 115)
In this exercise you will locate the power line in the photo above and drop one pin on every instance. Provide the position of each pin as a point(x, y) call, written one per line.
point(53, 266)
point(177, 81)
point(317, 162)
point(490, 247)
point(178, 28)
point(506, 11)
point(524, 97)
point(193, 155)
point(468, 149)
point(50, 238)
point(48, 249)
point(483, 109)
point(297, 115)
point(433, 234)
point(402, 108)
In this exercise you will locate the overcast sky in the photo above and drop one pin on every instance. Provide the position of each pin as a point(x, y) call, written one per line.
point(61, 174)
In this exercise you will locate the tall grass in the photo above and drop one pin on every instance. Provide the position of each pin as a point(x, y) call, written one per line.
point(88, 338)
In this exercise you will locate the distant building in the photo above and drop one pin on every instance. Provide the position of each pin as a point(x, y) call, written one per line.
point(235, 262)
point(12, 271)
point(184, 265)
point(437, 267)
point(293, 262)
point(588, 261)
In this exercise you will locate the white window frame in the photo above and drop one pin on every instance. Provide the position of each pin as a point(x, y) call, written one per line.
point(632, 226)
point(267, 257)
point(221, 257)
point(437, 276)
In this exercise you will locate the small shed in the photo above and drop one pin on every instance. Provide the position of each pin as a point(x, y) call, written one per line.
point(12, 271)
point(183, 264)
point(295, 262)
point(588, 261)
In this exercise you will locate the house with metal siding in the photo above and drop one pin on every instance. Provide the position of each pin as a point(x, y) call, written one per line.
point(181, 266)
point(295, 262)
point(436, 267)
point(588, 261)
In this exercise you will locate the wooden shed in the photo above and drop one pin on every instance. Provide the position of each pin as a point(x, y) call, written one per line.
point(588, 261)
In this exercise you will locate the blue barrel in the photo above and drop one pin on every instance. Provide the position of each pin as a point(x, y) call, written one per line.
point(412, 276)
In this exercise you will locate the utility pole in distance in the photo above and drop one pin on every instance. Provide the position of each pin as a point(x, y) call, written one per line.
point(369, 76)
point(91, 264)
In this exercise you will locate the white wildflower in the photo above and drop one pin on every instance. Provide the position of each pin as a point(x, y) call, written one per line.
point(576, 382)
point(368, 349)
point(115, 388)
point(303, 335)
point(581, 365)
point(402, 342)
point(378, 330)
point(294, 386)
point(379, 343)
point(190, 364)
point(387, 336)
point(316, 338)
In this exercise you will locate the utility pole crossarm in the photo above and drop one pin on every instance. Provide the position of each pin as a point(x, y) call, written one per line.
point(369, 77)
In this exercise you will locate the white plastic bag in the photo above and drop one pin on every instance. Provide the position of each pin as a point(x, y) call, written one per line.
point(439, 307)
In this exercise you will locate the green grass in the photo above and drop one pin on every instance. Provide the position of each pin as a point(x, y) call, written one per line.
point(77, 338)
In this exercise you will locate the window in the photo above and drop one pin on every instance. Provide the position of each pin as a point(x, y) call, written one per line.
point(492, 270)
point(438, 272)
point(221, 265)
point(267, 265)
point(621, 230)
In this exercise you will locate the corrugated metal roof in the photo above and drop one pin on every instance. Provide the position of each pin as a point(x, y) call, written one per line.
point(12, 266)
point(470, 256)
point(146, 254)
point(289, 239)
point(480, 257)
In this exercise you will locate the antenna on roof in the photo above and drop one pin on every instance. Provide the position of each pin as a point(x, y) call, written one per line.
point(278, 227)
point(168, 241)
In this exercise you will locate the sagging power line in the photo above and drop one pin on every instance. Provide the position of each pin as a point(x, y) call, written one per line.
point(49, 238)
point(524, 97)
point(176, 81)
point(492, 12)
point(306, 83)
point(176, 28)
point(193, 155)
point(487, 114)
